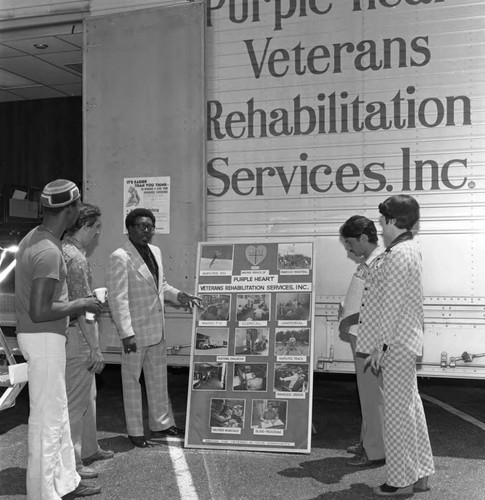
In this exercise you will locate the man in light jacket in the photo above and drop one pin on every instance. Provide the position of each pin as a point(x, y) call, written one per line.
point(137, 290)
point(360, 236)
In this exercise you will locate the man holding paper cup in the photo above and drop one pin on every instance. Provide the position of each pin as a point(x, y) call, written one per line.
point(137, 290)
point(83, 355)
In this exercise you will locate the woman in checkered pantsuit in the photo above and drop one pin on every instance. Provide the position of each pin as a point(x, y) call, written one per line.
point(391, 332)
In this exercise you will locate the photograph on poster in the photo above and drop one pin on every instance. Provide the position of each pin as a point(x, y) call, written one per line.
point(295, 255)
point(133, 197)
point(269, 414)
point(252, 341)
point(253, 307)
point(227, 413)
point(292, 342)
point(293, 306)
point(255, 255)
point(209, 377)
point(214, 307)
point(291, 377)
point(216, 258)
point(212, 341)
point(250, 377)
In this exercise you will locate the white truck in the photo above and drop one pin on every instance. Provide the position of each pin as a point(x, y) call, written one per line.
point(279, 119)
point(319, 110)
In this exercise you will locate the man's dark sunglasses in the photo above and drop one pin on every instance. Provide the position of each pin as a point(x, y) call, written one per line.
point(145, 227)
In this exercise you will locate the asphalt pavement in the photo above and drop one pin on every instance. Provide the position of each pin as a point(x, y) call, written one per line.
point(455, 411)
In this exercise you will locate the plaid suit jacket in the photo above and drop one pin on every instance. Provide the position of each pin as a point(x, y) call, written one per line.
point(137, 306)
point(392, 305)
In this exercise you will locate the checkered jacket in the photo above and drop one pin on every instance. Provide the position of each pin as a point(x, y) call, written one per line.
point(391, 311)
point(137, 306)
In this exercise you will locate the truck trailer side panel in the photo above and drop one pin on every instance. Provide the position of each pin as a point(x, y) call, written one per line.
point(144, 118)
point(320, 110)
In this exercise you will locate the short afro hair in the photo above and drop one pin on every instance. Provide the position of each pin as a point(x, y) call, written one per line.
point(138, 212)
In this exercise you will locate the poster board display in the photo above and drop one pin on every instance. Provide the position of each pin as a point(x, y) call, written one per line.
point(250, 384)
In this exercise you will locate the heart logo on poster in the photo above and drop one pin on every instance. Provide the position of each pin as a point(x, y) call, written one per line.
point(255, 255)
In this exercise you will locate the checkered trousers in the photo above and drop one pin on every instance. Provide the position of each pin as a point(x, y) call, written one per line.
point(153, 361)
point(408, 449)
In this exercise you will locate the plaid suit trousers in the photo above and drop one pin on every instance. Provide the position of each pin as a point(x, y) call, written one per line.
point(408, 450)
point(153, 361)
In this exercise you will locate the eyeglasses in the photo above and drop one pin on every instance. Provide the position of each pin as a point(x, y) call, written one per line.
point(145, 227)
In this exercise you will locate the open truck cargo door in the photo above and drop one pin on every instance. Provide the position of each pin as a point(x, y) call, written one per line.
point(144, 119)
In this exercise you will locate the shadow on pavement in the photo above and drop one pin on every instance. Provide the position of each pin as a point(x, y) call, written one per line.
point(325, 471)
point(12, 481)
point(357, 490)
point(17, 414)
point(330, 471)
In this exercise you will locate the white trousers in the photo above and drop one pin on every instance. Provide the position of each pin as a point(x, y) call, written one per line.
point(51, 467)
point(371, 397)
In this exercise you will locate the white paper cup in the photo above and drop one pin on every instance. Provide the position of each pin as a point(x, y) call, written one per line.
point(102, 295)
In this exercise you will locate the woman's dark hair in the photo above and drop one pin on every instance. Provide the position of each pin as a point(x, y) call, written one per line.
point(403, 208)
point(88, 214)
point(358, 225)
point(138, 212)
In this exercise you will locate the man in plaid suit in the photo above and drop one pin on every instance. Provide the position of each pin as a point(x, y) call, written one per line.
point(391, 334)
point(137, 290)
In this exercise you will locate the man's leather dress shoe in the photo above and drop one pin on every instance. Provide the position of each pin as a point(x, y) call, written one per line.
point(421, 484)
point(83, 490)
point(392, 491)
point(362, 461)
point(87, 472)
point(173, 432)
point(355, 449)
point(139, 441)
point(99, 455)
